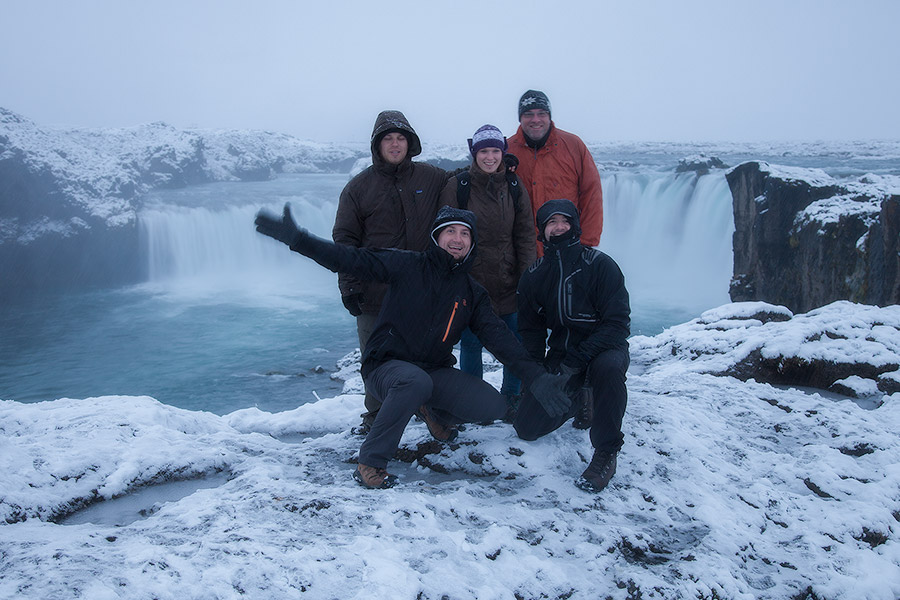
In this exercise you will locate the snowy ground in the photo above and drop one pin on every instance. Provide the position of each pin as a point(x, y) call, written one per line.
point(725, 489)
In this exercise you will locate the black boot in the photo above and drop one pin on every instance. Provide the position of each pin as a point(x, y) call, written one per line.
point(585, 415)
point(363, 428)
point(598, 473)
point(512, 407)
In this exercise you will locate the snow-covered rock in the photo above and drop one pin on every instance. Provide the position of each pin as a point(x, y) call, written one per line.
point(847, 348)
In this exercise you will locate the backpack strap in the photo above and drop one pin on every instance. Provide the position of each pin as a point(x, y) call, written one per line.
point(462, 190)
point(515, 190)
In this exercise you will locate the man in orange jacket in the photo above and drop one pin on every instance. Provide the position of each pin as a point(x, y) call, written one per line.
point(556, 164)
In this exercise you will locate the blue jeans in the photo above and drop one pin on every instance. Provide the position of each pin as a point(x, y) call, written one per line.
point(470, 356)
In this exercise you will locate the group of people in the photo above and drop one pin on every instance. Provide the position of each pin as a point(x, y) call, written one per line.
point(499, 255)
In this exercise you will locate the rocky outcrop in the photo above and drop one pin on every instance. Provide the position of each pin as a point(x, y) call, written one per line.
point(699, 164)
point(803, 240)
point(823, 349)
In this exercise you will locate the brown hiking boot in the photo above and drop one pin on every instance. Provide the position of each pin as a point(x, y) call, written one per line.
point(598, 473)
point(439, 431)
point(373, 477)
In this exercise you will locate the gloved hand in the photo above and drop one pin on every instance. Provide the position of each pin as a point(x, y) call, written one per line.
point(549, 391)
point(511, 161)
point(351, 303)
point(574, 379)
point(284, 229)
point(568, 370)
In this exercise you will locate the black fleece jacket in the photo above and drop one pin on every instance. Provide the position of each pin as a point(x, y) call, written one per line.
point(579, 294)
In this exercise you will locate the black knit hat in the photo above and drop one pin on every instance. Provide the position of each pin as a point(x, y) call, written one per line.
point(533, 100)
point(448, 215)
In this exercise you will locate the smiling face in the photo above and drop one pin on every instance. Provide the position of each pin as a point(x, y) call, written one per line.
point(455, 239)
point(489, 159)
point(535, 123)
point(393, 148)
point(556, 225)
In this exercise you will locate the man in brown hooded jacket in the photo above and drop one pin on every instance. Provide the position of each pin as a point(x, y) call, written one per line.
point(391, 204)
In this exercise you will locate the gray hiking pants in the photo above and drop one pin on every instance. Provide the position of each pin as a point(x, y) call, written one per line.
point(402, 387)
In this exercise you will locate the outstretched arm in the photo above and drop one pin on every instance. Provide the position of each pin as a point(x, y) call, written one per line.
point(361, 262)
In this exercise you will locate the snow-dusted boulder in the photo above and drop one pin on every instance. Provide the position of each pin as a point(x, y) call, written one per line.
point(849, 349)
point(803, 239)
point(700, 164)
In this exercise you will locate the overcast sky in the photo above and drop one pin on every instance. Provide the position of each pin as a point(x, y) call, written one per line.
point(692, 70)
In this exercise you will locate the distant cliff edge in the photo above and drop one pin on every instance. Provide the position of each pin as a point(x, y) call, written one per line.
point(69, 197)
point(803, 239)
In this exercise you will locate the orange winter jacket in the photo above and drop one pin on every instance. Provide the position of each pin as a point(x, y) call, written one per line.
point(562, 168)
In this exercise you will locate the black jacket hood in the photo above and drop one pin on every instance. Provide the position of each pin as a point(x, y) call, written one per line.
point(558, 207)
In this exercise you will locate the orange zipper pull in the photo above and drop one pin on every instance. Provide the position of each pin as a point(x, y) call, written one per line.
point(452, 314)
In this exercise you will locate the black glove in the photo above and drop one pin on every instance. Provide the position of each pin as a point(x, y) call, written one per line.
point(511, 161)
point(574, 379)
point(351, 303)
point(284, 229)
point(549, 391)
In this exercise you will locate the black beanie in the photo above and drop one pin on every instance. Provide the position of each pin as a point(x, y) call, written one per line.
point(533, 100)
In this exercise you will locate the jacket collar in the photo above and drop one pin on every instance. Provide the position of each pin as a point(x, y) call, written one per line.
point(538, 144)
point(566, 246)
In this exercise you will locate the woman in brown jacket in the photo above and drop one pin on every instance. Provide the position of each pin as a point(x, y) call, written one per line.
point(506, 238)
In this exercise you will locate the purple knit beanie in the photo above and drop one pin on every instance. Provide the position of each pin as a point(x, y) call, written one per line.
point(487, 136)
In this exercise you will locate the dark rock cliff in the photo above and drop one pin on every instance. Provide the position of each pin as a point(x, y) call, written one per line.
point(804, 240)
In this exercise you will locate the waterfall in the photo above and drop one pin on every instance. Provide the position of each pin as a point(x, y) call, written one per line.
point(215, 250)
point(672, 236)
point(670, 233)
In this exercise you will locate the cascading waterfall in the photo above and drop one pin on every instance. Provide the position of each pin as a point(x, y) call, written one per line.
point(202, 250)
point(672, 236)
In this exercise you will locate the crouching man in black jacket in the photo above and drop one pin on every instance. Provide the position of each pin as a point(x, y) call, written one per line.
point(578, 294)
point(408, 361)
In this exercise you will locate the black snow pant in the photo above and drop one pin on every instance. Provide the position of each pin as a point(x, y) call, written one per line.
point(606, 376)
point(402, 387)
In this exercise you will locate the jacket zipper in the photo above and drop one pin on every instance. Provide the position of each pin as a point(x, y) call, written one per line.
point(449, 323)
point(561, 299)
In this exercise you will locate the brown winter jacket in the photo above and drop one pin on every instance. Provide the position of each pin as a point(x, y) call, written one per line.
point(562, 168)
point(506, 234)
point(387, 206)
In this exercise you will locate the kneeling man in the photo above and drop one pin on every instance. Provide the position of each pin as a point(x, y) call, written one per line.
point(578, 294)
point(408, 361)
